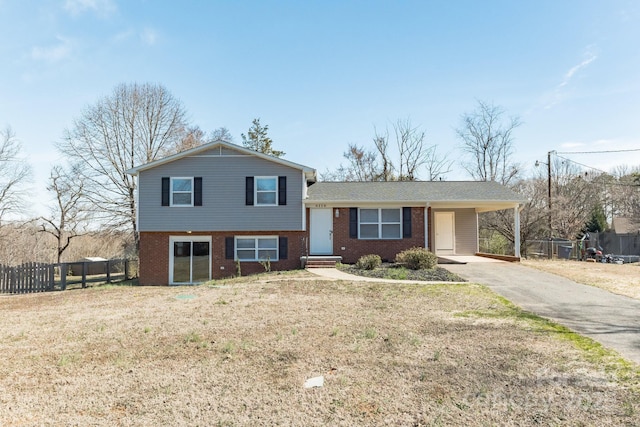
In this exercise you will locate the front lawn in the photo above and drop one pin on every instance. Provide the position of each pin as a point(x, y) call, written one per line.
point(238, 352)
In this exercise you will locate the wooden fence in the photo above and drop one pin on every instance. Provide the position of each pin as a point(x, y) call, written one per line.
point(38, 277)
point(27, 278)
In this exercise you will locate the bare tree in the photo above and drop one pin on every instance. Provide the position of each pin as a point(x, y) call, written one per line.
point(135, 124)
point(411, 154)
point(221, 134)
point(14, 172)
point(194, 137)
point(69, 214)
point(575, 194)
point(488, 139)
point(533, 214)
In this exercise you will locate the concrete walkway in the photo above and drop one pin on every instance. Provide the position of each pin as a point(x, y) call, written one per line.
point(612, 320)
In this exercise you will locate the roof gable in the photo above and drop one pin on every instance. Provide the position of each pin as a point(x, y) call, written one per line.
point(222, 148)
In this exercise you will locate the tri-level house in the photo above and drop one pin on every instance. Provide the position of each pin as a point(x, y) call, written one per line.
point(203, 211)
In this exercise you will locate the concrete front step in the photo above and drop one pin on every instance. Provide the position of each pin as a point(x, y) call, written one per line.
point(321, 264)
point(327, 261)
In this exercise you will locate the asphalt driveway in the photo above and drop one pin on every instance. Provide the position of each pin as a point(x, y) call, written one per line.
point(612, 320)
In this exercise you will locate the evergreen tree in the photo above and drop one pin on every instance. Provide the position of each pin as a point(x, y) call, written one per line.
point(257, 139)
point(598, 220)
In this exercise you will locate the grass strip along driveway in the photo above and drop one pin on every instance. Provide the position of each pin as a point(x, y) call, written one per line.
point(238, 352)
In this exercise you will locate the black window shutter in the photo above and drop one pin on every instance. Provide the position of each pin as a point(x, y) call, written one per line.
point(282, 190)
point(283, 247)
point(406, 222)
point(229, 246)
point(353, 223)
point(249, 191)
point(197, 191)
point(165, 191)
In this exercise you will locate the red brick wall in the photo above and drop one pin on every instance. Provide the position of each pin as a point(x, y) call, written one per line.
point(154, 255)
point(387, 249)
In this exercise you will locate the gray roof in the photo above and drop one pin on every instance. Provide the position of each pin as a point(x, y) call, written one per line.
point(413, 191)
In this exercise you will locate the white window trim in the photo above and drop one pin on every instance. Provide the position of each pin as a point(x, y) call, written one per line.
point(255, 190)
point(171, 192)
point(255, 248)
point(173, 239)
point(379, 223)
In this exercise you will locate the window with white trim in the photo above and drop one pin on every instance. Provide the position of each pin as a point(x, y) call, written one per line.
point(258, 248)
point(380, 224)
point(181, 191)
point(266, 190)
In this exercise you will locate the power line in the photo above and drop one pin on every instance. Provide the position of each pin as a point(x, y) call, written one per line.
point(600, 170)
point(598, 152)
point(581, 164)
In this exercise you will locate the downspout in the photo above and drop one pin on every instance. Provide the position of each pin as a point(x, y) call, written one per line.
point(426, 227)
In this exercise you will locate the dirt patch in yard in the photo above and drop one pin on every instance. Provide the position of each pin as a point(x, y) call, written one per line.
point(238, 353)
point(621, 279)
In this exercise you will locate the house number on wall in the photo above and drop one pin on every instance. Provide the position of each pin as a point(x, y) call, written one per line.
point(320, 206)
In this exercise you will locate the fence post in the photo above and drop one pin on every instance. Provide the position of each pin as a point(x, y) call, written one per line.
point(63, 276)
point(13, 279)
point(108, 267)
point(126, 269)
point(52, 277)
point(84, 274)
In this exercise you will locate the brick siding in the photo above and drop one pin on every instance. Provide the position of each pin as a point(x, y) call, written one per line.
point(154, 255)
point(387, 249)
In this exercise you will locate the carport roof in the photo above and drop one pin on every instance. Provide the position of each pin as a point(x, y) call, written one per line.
point(413, 192)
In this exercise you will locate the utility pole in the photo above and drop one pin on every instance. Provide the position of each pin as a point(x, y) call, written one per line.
point(549, 193)
point(549, 217)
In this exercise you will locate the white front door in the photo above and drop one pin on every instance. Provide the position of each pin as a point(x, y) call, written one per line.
point(445, 233)
point(321, 232)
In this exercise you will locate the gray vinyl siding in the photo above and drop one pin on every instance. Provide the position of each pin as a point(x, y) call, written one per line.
point(466, 230)
point(223, 195)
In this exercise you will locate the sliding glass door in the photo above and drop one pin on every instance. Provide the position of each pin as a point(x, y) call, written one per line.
point(190, 259)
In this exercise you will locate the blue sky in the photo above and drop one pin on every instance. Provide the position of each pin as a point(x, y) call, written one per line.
point(322, 74)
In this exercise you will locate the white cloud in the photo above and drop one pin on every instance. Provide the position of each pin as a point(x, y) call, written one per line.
point(149, 36)
point(100, 7)
point(54, 53)
point(574, 70)
point(558, 94)
point(572, 145)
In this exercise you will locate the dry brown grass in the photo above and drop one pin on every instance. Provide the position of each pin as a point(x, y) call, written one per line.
point(238, 353)
point(620, 279)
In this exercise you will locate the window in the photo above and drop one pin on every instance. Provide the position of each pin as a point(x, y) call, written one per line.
point(266, 190)
point(257, 248)
point(181, 191)
point(380, 224)
point(184, 191)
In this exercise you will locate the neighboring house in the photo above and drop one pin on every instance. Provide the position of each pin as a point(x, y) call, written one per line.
point(206, 210)
point(625, 226)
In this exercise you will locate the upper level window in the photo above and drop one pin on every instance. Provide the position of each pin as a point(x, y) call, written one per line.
point(181, 191)
point(380, 224)
point(266, 190)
